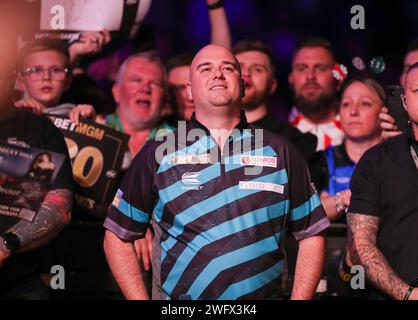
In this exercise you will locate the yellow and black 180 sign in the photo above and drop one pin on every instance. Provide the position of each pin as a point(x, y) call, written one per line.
point(96, 153)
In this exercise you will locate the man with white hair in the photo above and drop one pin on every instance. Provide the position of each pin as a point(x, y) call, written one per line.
point(140, 93)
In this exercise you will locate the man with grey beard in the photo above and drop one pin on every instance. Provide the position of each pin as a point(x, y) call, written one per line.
point(315, 92)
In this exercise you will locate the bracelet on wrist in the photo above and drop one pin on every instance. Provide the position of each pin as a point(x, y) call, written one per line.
point(216, 5)
point(338, 205)
point(408, 293)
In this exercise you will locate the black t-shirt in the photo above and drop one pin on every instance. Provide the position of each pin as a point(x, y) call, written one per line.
point(385, 185)
point(305, 143)
point(25, 129)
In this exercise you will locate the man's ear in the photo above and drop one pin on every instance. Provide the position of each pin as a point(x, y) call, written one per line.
point(273, 86)
point(116, 93)
point(189, 91)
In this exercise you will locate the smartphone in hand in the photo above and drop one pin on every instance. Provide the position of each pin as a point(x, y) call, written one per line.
point(395, 106)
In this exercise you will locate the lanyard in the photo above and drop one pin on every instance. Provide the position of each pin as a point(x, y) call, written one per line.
point(414, 155)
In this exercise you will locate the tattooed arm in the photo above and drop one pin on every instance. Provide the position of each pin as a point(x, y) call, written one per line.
point(362, 234)
point(54, 214)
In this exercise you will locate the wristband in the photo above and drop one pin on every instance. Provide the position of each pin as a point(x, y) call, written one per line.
point(339, 206)
point(11, 242)
point(408, 293)
point(216, 5)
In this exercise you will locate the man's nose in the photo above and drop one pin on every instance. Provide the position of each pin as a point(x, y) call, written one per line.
point(219, 73)
point(311, 74)
point(145, 86)
point(245, 72)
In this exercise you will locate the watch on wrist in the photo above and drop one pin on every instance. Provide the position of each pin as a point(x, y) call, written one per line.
point(11, 241)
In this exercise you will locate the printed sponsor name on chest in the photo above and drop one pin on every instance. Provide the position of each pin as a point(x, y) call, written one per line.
point(191, 159)
point(263, 161)
point(265, 186)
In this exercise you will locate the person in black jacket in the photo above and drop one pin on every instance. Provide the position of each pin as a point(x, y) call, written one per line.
point(258, 72)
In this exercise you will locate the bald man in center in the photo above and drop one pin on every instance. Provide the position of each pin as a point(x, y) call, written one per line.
point(220, 202)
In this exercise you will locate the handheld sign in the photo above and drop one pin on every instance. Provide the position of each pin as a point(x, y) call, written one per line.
point(96, 154)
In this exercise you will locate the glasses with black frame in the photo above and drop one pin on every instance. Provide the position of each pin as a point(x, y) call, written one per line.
point(38, 73)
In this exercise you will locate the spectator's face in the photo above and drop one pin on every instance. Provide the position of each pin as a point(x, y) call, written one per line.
point(411, 96)
point(359, 111)
point(178, 78)
point(215, 79)
point(258, 76)
point(410, 58)
point(41, 85)
point(311, 79)
point(140, 94)
point(44, 162)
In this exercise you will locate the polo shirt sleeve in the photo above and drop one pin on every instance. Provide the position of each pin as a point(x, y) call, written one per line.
point(364, 185)
point(130, 212)
point(307, 216)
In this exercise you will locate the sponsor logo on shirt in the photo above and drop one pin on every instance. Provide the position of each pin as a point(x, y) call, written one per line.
point(341, 180)
point(118, 197)
point(262, 161)
point(191, 179)
point(191, 159)
point(266, 186)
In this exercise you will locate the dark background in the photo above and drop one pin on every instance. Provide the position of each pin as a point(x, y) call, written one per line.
point(183, 26)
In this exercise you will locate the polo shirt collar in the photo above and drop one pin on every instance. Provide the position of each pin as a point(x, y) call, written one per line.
point(243, 124)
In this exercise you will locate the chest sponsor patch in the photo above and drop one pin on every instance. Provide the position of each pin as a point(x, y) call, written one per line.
point(262, 161)
point(267, 186)
point(191, 159)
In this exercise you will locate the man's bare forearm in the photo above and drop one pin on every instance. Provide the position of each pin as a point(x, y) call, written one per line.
point(220, 33)
point(309, 266)
point(125, 267)
point(362, 233)
point(54, 214)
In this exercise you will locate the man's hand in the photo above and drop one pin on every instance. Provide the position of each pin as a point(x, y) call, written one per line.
point(346, 195)
point(90, 42)
point(84, 111)
point(143, 248)
point(388, 125)
point(31, 104)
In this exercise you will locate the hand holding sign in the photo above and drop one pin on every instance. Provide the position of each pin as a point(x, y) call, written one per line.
point(90, 42)
point(65, 19)
point(96, 153)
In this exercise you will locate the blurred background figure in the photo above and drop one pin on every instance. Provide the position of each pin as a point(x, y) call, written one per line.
point(315, 92)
